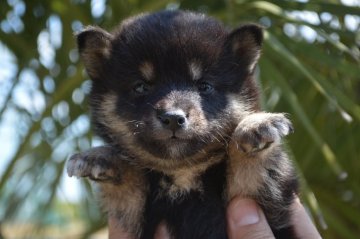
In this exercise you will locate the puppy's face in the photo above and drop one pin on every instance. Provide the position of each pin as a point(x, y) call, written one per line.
point(169, 85)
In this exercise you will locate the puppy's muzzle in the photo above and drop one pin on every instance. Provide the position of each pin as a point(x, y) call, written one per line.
point(173, 120)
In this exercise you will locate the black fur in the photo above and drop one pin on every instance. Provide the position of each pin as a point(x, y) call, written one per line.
point(192, 216)
point(170, 40)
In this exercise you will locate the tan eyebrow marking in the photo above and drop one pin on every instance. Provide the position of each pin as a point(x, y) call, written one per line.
point(195, 70)
point(147, 70)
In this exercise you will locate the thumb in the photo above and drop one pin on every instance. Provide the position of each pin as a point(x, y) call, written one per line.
point(115, 229)
point(246, 220)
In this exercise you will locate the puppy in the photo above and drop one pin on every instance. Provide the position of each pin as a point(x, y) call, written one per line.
point(175, 99)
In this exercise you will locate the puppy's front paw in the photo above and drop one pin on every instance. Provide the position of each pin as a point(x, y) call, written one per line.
point(95, 164)
point(259, 131)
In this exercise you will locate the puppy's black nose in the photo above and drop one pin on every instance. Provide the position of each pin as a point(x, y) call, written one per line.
point(173, 120)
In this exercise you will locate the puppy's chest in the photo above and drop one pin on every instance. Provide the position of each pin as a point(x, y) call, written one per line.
point(179, 184)
point(187, 197)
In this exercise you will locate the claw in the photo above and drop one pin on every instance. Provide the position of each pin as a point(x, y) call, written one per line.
point(96, 164)
point(259, 131)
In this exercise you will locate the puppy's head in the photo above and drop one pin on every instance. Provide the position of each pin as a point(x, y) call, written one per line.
point(169, 85)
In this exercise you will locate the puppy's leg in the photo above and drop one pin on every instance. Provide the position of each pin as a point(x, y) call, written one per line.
point(254, 141)
point(259, 168)
point(121, 186)
point(258, 132)
point(101, 164)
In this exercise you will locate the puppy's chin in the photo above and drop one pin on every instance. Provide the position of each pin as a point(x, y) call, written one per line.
point(169, 146)
point(172, 137)
point(177, 149)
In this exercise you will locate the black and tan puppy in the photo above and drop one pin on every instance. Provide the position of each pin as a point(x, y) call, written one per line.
point(175, 99)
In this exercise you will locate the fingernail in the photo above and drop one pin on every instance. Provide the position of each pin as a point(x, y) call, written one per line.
point(244, 212)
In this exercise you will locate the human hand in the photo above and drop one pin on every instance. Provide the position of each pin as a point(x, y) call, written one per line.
point(245, 220)
point(117, 232)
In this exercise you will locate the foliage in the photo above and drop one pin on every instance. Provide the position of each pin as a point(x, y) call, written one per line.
point(309, 68)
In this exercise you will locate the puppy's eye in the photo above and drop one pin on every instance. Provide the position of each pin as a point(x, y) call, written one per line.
point(205, 87)
point(141, 88)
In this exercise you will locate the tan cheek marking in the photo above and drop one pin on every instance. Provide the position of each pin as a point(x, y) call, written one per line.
point(118, 126)
point(198, 120)
point(195, 70)
point(109, 116)
point(147, 70)
point(239, 107)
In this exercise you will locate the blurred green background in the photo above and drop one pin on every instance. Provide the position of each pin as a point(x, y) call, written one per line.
point(309, 68)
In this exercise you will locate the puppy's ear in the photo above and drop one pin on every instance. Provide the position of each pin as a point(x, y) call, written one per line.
point(245, 44)
point(94, 45)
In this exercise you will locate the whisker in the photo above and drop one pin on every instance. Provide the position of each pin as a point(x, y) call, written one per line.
point(152, 106)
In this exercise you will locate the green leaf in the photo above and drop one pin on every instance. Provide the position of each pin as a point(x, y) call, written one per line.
point(270, 70)
point(320, 84)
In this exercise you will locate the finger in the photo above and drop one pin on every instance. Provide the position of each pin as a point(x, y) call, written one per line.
point(304, 227)
point(246, 220)
point(116, 231)
point(162, 232)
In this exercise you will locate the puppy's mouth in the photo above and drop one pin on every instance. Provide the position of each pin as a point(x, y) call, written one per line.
point(176, 136)
point(172, 136)
point(180, 136)
point(169, 145)
point(176, 139)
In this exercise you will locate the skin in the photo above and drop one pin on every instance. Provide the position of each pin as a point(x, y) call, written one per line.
point(245, 220)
